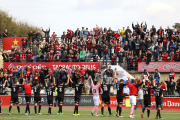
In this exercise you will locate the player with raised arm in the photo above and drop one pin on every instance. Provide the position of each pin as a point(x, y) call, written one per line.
point(50, 89)
point(37, 97)
point(78, 91)
point(60, 97)
point(119, 96)
point(95, 90)
point(158, 93)
point(132, 94)
point(27, 88)
point(106, 96)
point(2, 86)
point(147, 99)
point(14, 96)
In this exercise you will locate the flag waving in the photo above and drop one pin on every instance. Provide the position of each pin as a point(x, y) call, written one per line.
point(12, 42)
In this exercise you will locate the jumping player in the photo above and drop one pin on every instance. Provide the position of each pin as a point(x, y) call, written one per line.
point(50, 89)
point(119, 96)
point(60, 97)
point(14, 96)
point(37, 97)
point(95, 90)
point(132, 95)
point(28, 89)
point(147, 99)
point(2, 86)
point(78, 91)
point(158, 94)
point(106, 96)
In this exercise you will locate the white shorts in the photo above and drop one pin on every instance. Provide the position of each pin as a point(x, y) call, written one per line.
point(132, 100)
point(96, 100)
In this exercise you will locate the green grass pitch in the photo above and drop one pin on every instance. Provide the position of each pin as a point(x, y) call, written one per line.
point(85, 114)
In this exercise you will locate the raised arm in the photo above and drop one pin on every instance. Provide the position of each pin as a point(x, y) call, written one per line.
point(4, 83)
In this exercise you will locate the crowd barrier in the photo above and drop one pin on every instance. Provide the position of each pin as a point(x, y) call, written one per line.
point(173, 103)
point(161, 66)
point(52, 65)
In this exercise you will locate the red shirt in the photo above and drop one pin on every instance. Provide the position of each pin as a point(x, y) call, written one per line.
point(132, 88)
point(164, 58)
point(28, 89)
point(165, 41)
point(24, 42)
point(75, 46)
point(89, 45)
point(118, 48)
point(29, 55)
point(51, 51)
point(173, 74)
point(17, 56)
point(28, 73)
point(163, 86)
point(84, 46)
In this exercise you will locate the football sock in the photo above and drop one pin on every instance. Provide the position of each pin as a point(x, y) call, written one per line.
point(96, 110)
point(60, 108)
point(77, 110)
point(159, 113)
point(117, 109)
point(18, 109)
point(120, 110)
point(109, 109)
point(132, 110)
point(50, 110)
point(102, 110)
point(28, 108)
point(35, 109)
point(143, 110)
point(93, 109)
point(148, 112)
point(0, 108)
point(39, 108)
point(10, 108)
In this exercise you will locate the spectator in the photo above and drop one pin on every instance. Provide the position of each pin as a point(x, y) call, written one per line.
point(113, 59)
point(82, 55)
point(172, 87)
point(46, 34)
point(115, 74)
point(144, 74)
point(95, 56)
point(178, 85)
point(120, 56)
point(157, 75)
point(164, 56)
point(126, 49)
point(156, 55)
point(98, 75)
point(5, 33)
point(126, 91)
point(109, 73)
point(92, 73)
point(105, 55)
point(88, 56)
point(171, 74)
point(164, 42)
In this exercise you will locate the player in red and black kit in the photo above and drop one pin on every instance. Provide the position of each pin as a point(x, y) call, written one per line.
point(27, 88)
point(60, 97)
point(78, 91)
point(119, 96)
point(158, 93)
point(14, 96)
point(147, 99)
point(106, 96)
point(50, 89)
point(2, 86)
point(37, 97)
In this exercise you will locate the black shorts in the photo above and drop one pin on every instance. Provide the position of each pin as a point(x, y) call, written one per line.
point(60, 99)
point(28, 99)
point(106, 99)
point(77, 99)
point(37, 99)
point(158, 103)
point(119, 99)
point(147, 102)
point(50, 102)
point(14, 99)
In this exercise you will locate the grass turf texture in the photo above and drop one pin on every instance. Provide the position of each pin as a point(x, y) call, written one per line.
point(85, 114)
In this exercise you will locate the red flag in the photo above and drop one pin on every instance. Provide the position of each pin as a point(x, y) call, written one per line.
point(11, 42)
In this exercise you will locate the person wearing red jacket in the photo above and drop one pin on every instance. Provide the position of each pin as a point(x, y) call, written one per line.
point(164, 56)
point(118, 47)
point(171, 74)
point(17, 56)
point(70, 34)
point(27, 88)
point(132, 94)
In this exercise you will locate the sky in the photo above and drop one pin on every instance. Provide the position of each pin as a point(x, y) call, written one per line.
point(61, 15)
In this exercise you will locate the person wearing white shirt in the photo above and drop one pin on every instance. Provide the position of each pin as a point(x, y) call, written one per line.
point(126, 90)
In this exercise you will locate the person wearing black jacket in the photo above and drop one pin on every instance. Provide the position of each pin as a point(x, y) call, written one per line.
point(120, 56)
point(127, 33)
point(5, 34)
point(77, 33)
point(136, 27)
point(149, 57)
point(126, 48)
point(169, 33)
point(153, 31)
point(172, 87)
point(168, 86)
point(46, 34)
point(143, 46)
point(42, 77)
point(144, 27)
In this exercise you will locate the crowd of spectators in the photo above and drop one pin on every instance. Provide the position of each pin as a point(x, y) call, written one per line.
point(137, 45)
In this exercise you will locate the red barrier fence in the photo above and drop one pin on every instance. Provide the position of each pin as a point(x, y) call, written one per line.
point(161, 66)
point(52, 65)
point(172, 103)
